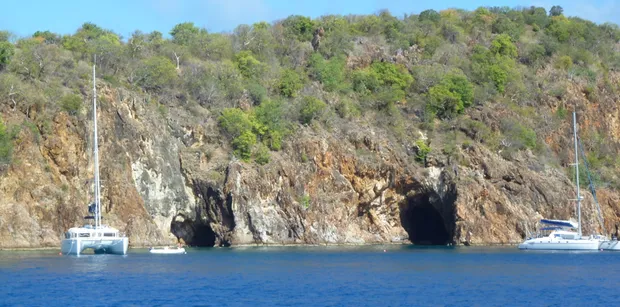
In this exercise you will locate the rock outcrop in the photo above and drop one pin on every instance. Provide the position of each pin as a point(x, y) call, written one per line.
point(169, 175)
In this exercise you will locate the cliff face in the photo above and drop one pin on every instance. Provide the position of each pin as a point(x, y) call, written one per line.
point(168, 174)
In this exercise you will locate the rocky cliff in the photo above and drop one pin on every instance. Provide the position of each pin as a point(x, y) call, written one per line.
point(430, 128)
point(169, 175)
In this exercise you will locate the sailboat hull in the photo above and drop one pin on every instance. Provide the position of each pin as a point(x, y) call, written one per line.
point(548, 244)
point(76, 246)
point(613, 245)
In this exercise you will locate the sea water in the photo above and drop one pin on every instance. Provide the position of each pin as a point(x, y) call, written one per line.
point(313, 276)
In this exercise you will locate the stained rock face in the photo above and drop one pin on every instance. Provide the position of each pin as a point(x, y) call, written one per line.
point(171, 176)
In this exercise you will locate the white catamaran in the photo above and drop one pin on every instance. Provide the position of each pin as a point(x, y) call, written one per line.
point(562, 234)
point(102, 239)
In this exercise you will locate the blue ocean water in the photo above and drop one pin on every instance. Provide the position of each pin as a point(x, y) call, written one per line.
point(313, 276)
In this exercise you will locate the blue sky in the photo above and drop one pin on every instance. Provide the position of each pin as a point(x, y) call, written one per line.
point(124, 16)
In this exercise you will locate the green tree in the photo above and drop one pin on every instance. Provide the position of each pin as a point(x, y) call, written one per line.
point(216, 47)
point(47, 37)
point(4, 36)
point(536, 16)
point(504, 25)
point(7, 50)
point(483, 17)
point(156, 73)
point(299, 27)
point(496, 65)
point(429, 15)
point(82, 41)
point(185, 33)
point(560, 28)
point(556, 10)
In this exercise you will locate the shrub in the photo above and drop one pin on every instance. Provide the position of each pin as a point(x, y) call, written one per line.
point(329, 73)
point(388, 79)
point(502, 45)
point(451, 96)
point(235, 122)
point(270, 124)
point(392, 75)
point(261, 156)
point(347, 109)
point(156, 72)
point(311, 109)
point(71, 103)
point(243, 145)
point(6, 145)
point(519, 135)
point(290, 83)
point(249, 66)
point(422, 150)
point(564, 62)
point(257, 92)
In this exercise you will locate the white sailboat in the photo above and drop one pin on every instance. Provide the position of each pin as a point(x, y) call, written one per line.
point(102, 239)
point(565, 235)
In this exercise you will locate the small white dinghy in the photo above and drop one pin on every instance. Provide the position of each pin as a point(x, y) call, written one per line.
point(167, 250)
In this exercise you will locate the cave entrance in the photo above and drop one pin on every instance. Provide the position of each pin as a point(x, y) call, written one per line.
point(424, 223)
point(194, 234)
point(204, 236)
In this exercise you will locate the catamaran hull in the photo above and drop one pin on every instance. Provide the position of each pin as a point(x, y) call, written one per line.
point(610, 245)
point(76, 246)
point(546, 244)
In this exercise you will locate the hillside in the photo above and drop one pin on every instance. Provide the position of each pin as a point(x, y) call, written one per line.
point(442, 127)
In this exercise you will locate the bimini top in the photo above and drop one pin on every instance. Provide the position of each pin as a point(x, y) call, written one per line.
point(560, 223)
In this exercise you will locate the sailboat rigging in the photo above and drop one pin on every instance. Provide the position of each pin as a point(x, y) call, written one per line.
point(562, 235)
point(102, 239)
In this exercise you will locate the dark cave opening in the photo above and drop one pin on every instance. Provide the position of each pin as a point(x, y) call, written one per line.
point(424, 222)
point(194, 234)
point(203, 236)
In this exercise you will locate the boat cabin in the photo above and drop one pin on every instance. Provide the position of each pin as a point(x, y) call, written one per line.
point(90, 232)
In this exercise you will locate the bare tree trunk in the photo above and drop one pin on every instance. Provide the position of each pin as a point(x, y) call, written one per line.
point(178, 58)
point(11, 93)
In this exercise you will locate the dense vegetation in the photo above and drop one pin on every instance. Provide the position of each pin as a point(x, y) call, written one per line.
point(264, 81)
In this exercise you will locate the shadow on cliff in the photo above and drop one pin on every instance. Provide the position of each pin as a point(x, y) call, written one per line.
point(429, 219)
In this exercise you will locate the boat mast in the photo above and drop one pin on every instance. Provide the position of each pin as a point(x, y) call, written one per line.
point(96, 154)
point(577, 173)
